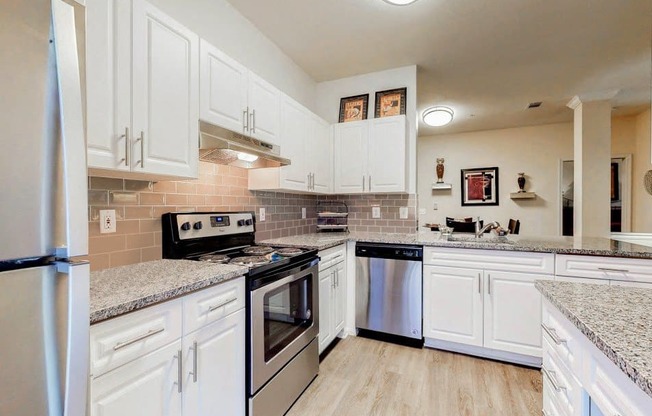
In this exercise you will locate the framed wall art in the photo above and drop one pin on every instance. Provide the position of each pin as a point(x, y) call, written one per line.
point(354, 108)
point(390, 103)
point(480, 186)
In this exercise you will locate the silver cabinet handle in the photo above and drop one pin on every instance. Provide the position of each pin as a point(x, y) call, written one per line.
point(253, 122)
point(194, 362)
point(179, 371)
point(313, 181)
point(127, 140)
point(337, 278)
point(607, 269)
point(369, 183)
point(218, 306)
point(479, 283)
point(489, 284)
point(140, 337)
point(245, 119)
point(551, 375)
point(363, 183)
point(553, 334)
point(309, 181)
point(544, 413)
point(141, 139)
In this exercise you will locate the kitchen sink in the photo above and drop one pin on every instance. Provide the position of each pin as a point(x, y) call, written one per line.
point(484, 240)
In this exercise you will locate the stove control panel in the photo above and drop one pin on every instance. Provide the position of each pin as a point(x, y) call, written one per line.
point(202, 225)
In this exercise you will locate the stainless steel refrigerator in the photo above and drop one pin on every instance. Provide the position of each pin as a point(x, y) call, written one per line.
point(44, 287)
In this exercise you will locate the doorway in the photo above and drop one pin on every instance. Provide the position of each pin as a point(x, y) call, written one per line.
point(621, 173)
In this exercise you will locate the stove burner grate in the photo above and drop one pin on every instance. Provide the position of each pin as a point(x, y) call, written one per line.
point(250, 261)
point(257, 250)
point(214, 258)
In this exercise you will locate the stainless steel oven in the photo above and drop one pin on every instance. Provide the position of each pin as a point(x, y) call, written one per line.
point(284, 326)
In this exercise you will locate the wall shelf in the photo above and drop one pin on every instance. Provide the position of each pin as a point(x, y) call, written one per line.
point(523, 195)
point(439, 186)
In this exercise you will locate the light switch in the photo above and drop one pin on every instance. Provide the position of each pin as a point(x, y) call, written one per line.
point(375, 212)
point(403, 213)
point(107, 221)
point(261, 215)
point(303, 213)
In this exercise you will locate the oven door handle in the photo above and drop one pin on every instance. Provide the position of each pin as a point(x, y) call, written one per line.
point(289, 279)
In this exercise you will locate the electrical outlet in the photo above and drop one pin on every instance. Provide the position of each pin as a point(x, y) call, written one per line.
point(303, 213)
point(261, 215)
point(107, 221)
point(375, 212)
point(403, 213)
point(435, 206)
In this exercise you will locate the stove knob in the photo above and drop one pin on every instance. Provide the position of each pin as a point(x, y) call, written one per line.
point(241, 223)
point(197, 226)
point(185, 226)
point(248, 222)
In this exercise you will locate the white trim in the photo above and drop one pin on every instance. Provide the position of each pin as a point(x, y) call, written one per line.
point(482, 352)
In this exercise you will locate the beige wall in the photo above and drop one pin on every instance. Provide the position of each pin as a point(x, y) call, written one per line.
point(535, 150)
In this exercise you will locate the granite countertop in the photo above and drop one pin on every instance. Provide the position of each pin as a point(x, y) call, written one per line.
point(119, 290)
point(560, 245)
point(616, 319)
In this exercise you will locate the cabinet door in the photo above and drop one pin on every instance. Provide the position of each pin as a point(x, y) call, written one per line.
point(295, 127)
point(452, 304)
point(145, 387)
point(165, 94)
point(512, 312)
point(325, 308)
point(387, 155)
point(265, 110)
point(339, 298)
point(350, 157)
point(320, 156)
point(214, 368)
point(108, 83)
point(223, 89)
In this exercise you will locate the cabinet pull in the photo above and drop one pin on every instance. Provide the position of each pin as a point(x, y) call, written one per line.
point(337, 278)
point(369, 183)
point(489, 284)
point(179, 371)
point(313, 181)
point(479, 283)
point(218, 306)
point(363, 183)
point(126, 136)
point(309, 188)
point(245, 119)
point(553, 334)
point(253, 123)
point(551, 375)
point(194, 362)
point(607, 269)
point(140, 337)
point(141, 139)
point(544, 413)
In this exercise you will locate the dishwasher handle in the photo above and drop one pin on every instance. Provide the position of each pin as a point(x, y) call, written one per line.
point(393, 252)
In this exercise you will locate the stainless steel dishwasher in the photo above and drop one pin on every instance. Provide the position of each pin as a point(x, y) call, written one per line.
point(389, 288)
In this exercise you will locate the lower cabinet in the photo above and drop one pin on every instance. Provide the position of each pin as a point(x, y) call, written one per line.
point(199, 373)
point(332, 295)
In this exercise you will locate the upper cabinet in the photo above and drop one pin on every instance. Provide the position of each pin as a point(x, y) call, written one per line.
point(237, 99)
point(370, 156)
point(142, 71)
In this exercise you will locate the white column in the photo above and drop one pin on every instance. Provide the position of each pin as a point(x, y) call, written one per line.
point(592, 175)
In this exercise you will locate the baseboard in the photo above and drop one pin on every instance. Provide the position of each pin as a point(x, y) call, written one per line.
point(482, 352)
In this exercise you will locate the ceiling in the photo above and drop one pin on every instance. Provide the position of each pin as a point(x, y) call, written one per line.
point(486, 59)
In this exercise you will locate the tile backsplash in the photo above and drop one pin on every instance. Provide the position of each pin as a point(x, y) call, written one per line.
point(140, 204)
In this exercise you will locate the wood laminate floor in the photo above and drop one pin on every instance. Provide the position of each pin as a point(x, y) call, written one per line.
point(362, 377)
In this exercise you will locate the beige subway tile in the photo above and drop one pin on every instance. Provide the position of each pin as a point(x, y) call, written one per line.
point(158, 211)
point(140, 240)
point(158, 238)
point(151, 253)
point(176, 199)
point(205, 189)
point(98, 197)
point(134, 185)
point(107, 183)
point(138, 212)
point(186, 188)
point(196, 199)
point(123, 198)
point(213, 200)
point(165, 186)
point(99, 261)
point(150, 198)
point(123, 258)
point(148, 226)
point(106, 244)
point(206, 167)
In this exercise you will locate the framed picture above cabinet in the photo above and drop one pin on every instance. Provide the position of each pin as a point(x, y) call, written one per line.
point(390, 103)
point(354, 108)
point(479, 186)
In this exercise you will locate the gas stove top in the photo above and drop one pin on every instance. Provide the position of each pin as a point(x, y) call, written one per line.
point(225, 238)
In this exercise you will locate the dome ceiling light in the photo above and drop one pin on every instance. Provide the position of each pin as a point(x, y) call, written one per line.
point(437, 116)
point(400, 2)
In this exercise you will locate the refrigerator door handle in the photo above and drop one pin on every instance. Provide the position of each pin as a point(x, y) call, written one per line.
point(72, 131)
point(74, 357)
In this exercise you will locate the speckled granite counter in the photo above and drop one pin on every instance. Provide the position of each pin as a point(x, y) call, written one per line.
point(124, 289)
point(615, 319)
point(559, 245)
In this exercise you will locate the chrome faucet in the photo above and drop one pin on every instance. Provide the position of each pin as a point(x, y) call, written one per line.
point(479, 231)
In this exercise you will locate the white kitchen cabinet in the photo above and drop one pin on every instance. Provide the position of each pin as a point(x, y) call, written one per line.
point(370, 156)
point(237, 99)
point(148, 386)
point(214, 362)
point(142, 98)
point(452, 304)
point(512, 309)
point(332, 294)
point(319, 156)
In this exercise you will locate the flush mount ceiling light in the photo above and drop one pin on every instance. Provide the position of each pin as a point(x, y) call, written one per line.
point(400, 2)
point(437, 116)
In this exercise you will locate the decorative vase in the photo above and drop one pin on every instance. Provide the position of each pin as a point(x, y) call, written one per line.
point(440, 170)
point(521, 182)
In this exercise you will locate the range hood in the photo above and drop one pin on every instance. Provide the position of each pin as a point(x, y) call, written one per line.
point(226, 147)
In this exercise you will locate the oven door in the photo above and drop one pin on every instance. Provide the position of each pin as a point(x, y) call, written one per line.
point(284, 319)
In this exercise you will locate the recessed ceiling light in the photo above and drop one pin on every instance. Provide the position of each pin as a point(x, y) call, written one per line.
point(400, 2)
point(437, 116)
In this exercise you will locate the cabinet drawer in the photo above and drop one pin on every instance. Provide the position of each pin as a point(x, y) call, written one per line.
point(560, 382)
point(209, 305)
point(514, 261)
point(125, 338)
point(332, 256)
point(561, 338)
point(612, 268)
